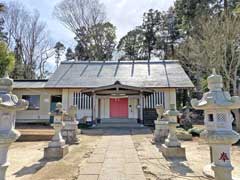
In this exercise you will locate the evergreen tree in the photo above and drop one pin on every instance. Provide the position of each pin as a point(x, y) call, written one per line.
point(18, 71)
point(6, 59)
point(69, 54)
point(96, 42)
point(132, 45)
point(3, 35)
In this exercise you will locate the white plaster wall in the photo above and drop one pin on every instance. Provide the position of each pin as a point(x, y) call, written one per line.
point(40, 115)
point(104, 107)
point(170, 97)
point(67, 98)
point(132, 111)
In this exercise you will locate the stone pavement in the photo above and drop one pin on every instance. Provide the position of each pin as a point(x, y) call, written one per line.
point(114, 158)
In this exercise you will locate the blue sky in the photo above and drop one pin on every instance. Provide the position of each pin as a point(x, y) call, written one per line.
point(124, 14)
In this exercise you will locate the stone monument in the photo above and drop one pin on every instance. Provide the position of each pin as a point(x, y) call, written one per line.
point(70, 130)
point(57, 148)
point(218, 124)
point(172, 147)
point(161, 126)
point(9, 104)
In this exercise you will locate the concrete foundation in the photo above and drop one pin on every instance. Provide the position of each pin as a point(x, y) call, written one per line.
point(173, 152)
point(55, 152)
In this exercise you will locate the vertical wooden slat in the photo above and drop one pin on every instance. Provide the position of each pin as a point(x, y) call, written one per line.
point(85, 99)
point(73, 98)
point(80, 100)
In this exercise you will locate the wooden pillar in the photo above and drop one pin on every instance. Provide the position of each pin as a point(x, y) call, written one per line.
point(141, 107)
point(94, 107)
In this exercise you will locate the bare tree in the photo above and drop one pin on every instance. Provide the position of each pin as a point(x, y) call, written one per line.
point(26, 29)
point(75, 14)
point(215, 45)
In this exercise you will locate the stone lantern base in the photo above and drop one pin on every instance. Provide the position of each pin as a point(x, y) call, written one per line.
point(161, 131)
point(70, 131)
point(55, 152)
point(173, 152)
point(222, 172)
point(57, 148)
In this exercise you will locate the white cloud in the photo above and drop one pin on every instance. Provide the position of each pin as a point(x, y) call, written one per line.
point(127, 14)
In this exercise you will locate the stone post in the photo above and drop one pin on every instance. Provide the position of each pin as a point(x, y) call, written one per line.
point(161, 126)
point(218, 126)
point(70, 130)
point(9, 104)
point(56, 147)
point(172, 147)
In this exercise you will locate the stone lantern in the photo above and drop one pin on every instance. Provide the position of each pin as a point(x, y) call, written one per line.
point(57, 148)
point(218, 119)
point(70, 130)
point(9, 104)
point(172, 146)
point(161, 125)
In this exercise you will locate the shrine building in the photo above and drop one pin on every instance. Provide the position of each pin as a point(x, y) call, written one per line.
point(104, 89)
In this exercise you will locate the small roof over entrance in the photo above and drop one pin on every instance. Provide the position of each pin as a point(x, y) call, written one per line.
point(117, 89)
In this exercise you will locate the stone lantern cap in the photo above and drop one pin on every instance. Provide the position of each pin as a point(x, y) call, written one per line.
point(216, 98)
point(172, 111)
point(8, 100)
point(59, 110)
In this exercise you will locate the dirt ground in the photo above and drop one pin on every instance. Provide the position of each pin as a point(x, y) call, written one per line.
point(26, 159)
point(27, 163)
point(156, 167)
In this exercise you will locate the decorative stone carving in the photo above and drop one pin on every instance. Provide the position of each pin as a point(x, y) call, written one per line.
point(172, 146)
point(70, 130)
point(9, 104)
point(56, 147)
point(218, 124)
point(161, 125)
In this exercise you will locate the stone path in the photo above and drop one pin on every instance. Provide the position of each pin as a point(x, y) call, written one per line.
point(114, 158)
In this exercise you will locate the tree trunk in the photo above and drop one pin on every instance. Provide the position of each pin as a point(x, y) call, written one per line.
point(225, 7)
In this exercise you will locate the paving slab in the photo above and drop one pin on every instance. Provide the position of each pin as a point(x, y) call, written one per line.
point(115, 158)
point(88, 177)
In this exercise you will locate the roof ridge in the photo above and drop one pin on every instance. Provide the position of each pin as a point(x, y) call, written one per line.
point(121, 62)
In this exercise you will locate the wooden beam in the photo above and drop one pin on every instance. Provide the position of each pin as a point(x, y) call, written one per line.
point(94, 107)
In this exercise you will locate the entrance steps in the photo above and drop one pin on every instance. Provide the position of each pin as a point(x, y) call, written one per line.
point(119, 123)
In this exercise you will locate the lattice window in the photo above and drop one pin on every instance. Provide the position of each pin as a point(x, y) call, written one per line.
point(221, 117)
point(154, 99)
point(82, 101)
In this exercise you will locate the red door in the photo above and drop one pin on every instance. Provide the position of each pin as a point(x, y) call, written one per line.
point(119, 107)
